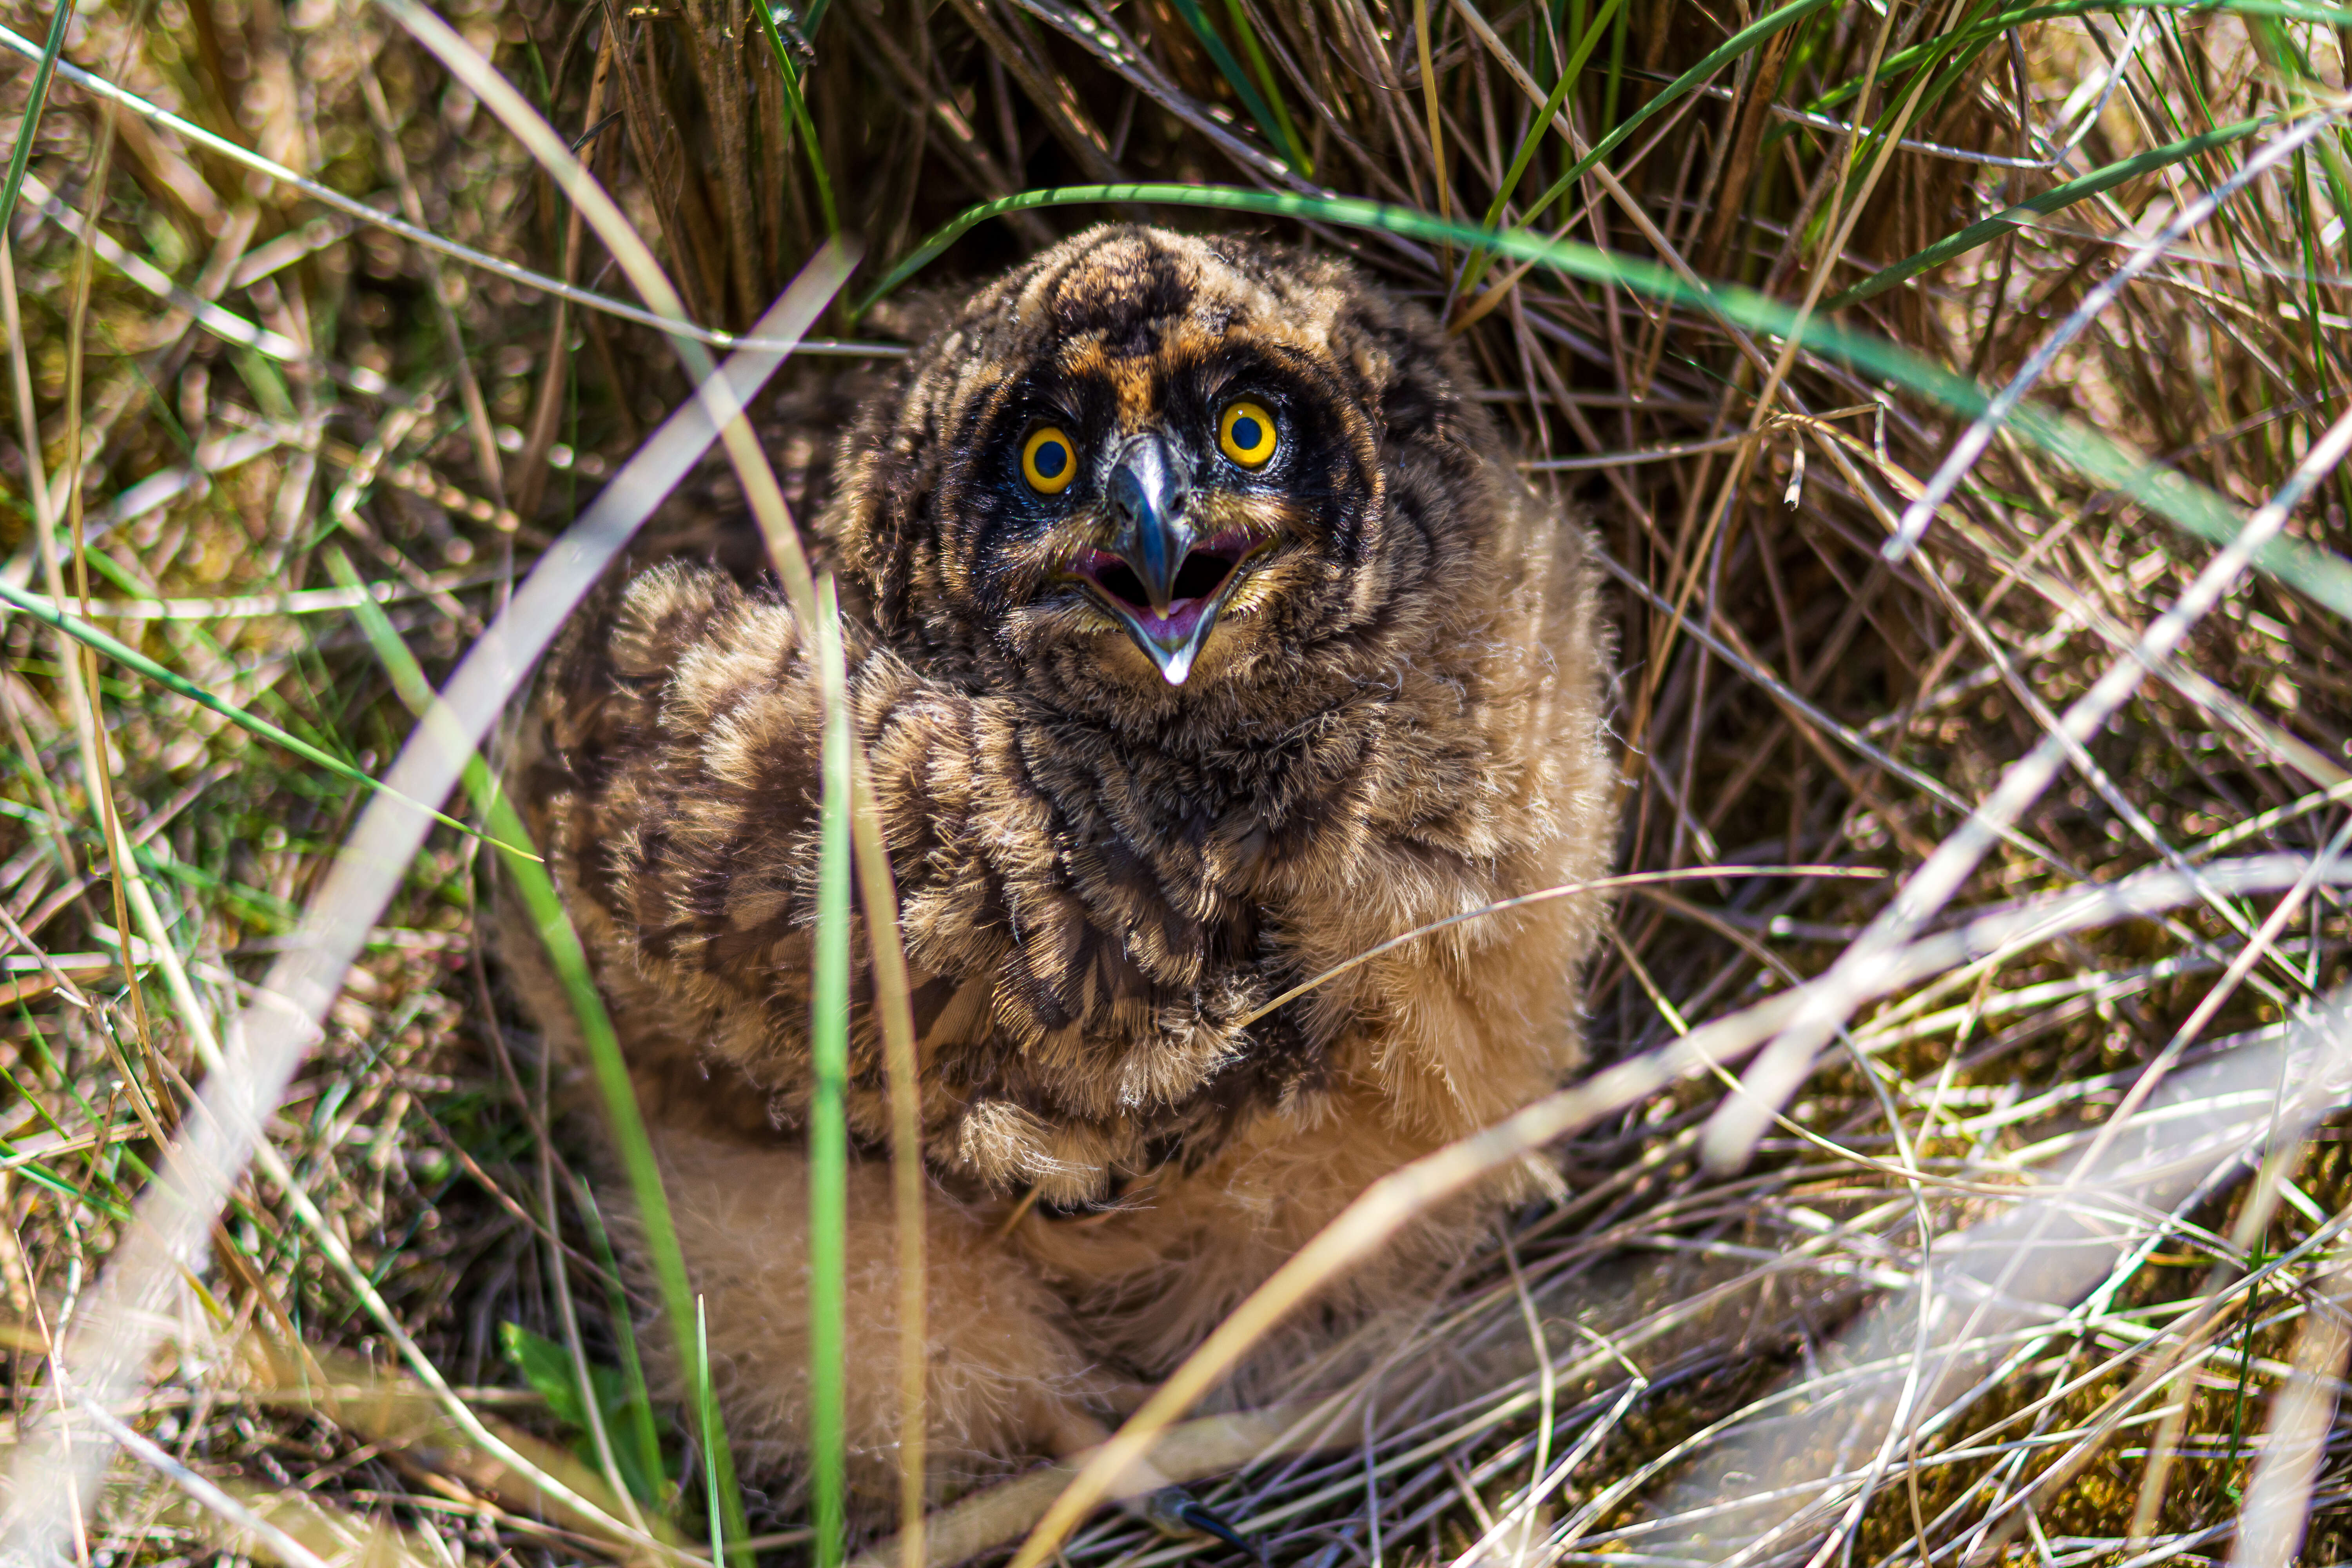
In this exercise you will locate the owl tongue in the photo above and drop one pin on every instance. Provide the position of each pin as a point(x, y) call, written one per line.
point(1182, 615)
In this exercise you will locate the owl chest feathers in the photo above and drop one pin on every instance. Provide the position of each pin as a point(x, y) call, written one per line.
point(1093, 918)
point(1102, 918)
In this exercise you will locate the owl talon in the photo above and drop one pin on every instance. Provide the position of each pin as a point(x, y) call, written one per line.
point(1175, 1512)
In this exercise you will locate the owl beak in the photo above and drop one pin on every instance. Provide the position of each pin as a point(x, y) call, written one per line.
point(1149, 492)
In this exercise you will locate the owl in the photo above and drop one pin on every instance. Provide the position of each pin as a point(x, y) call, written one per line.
point(1202, 636)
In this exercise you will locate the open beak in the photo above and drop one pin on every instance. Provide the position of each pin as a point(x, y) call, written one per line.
point(1164, 582)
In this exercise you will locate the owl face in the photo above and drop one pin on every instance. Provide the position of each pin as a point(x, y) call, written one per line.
point(1148, 468)
point(1140, 497)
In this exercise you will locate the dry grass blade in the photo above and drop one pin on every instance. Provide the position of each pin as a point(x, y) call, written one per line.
point(1187, 1452)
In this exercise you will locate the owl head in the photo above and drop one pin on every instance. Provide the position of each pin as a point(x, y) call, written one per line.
point(1149, 474)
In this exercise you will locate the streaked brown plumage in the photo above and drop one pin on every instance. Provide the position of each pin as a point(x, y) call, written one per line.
point(1391, 709)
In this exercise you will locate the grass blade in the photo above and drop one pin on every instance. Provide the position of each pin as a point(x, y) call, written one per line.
point(1722, 55)
point(1238, 80)
point(1299, 161)
point(645, 1438)
point(49, 614)
point(1971, 443)
point(828, 1128)
point(284, 1547)
point(894, 1003)
point(788, 71)
point(21, 156)
point(1541, 126)
point(724, 1502)
point(1901, 62)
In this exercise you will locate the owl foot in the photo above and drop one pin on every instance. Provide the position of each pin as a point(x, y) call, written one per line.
point(1175, 1512)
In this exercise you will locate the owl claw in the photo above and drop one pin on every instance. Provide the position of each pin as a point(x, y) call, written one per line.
point(1175, 1512)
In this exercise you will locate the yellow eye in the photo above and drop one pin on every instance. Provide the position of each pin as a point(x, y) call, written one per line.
point(1049, 462)
point(1245, 433)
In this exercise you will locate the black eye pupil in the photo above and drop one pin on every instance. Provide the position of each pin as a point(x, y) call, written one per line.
point(1052, 458)
point(1246, 433)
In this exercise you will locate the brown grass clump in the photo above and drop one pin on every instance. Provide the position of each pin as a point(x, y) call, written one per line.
point(243, 400)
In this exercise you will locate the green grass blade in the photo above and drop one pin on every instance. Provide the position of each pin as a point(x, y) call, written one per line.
point(1986, 230)
point(1299, 161)
point(797, 106)
point(24, 1164)
point(569, 958)
point(154, 858)
point(1730, 49)
point(1231, 69)
point(644, 1438)
point(828, 1132)
point(1619, 32)
point(1537, 130)
point(20, 157)
point(1541, 125)
point(1915, 111)
point(2323, 576)
point(123, 653)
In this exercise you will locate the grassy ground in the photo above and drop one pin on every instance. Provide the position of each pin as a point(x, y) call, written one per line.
point(243, 403)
